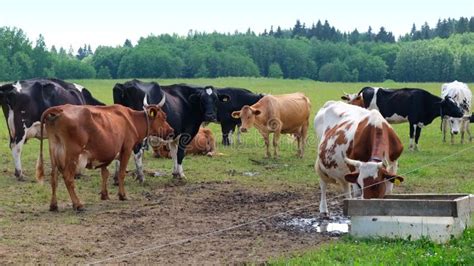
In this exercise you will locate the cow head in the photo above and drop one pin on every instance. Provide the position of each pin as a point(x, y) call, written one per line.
point(247, 115)
point(371, 178)
point(158, 127)
point(450, 108)
point(207, 99)
point(354, 99)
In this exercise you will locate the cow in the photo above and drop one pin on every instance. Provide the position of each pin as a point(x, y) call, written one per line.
point(240, 97)
point(24, 101)
point(202, 144)
point(186, 106)
point(356, 146)
point(416, 106)
point(82, 136)
point(278, 114)
point(462, 95)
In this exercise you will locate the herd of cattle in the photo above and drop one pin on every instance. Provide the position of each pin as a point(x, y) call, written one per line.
point(358, 149)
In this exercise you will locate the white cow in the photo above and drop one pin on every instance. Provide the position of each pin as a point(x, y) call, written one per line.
point(462, 95)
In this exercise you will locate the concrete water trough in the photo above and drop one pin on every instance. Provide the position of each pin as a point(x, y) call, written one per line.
point(438, 217)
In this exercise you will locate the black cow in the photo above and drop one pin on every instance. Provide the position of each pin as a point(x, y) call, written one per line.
point(416, 106)
point(240, 97)
point(186, 106)
point(24, 101)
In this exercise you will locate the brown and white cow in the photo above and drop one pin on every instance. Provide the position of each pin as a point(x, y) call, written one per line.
point(92, 137)
point(202, 144)
point(278, 114)
point(356, 146)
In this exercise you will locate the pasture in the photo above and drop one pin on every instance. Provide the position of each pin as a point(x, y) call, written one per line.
point(240, 191)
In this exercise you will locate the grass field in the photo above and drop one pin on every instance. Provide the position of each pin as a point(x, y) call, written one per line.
point(29, 233)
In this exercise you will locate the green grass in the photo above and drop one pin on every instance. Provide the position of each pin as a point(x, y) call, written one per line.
point(452, 174)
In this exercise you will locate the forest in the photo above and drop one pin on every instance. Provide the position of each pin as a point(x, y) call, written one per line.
point(319, 52)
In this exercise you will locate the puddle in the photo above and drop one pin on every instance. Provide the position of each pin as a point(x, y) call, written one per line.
point(335, 226)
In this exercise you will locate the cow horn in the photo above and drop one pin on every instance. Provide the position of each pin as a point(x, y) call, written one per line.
point(380, 165)
point(163, 100)
point(352, 162)
point(145, 101)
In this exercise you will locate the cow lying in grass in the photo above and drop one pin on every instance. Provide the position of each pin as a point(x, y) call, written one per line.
point(92, 137)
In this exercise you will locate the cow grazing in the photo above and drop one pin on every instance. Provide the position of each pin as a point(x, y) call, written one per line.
point(186, 106)
point(92, 137)
point(416, 106)
point(202, 144)
point(277, 114)
point(240, 97)
point(24, 101)
point(356, 146)
point(462, 95)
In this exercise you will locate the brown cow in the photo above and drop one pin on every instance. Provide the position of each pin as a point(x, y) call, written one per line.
point(277, 114)
point(356, 146)
point(92, 137)
point(202, 144)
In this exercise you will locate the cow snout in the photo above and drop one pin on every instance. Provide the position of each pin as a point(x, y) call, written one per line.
point(243, 130)
point(455, 132)
point(210, 118)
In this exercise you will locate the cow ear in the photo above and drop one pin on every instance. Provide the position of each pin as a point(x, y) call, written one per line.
point(352, 177)
point(47, 91)
point(236, 114)
point(345, 97)
point(194, 98)
point(224, 97)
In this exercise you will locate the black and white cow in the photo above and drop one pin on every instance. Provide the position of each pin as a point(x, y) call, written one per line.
point(240, 97)
point(416, 106)
point(186, 107)
point(462, 95)
point(24, 101)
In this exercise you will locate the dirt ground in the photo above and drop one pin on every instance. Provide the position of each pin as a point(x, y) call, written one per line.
point(172, 225)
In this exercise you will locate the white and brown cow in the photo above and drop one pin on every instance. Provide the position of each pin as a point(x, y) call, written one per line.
point(462, 95)
point(202, 144)
point(93, 136)
point(278, 114)
point(356, 146)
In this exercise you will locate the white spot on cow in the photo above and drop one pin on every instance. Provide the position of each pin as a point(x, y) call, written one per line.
point(209, 91)
point(82, 162)
point(373, 102)
point(11, 122)
point(16, 152)
point(396, 118)
point(420, 125)
point(78, 87)
point(17, 86)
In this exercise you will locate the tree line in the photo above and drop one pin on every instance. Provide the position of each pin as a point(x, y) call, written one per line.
point(320, 52)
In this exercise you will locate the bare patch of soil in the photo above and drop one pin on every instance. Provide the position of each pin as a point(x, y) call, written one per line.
point(169, 225)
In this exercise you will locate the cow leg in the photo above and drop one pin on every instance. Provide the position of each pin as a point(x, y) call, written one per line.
point(138, 156)
point(323, 206)
point(468, 129)
point(303, 138)
point(124, 156)
point(180, 156)
point(444, 125)
point(417, 136)
point(16, 148)
point(177, 154)
point(412, 134)
point(68, 176)
point(276, 139)
point(266, 138)
point(104, 194)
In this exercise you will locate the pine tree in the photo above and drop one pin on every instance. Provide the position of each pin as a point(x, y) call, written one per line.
point(128, 43)
point(425, 31)
point(278, 33)
point(297, 29)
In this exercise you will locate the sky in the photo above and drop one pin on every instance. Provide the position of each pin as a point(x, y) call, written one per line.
point(66, 23)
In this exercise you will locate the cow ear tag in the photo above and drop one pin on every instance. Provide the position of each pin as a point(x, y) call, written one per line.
point(397, 182)
point(152, 113)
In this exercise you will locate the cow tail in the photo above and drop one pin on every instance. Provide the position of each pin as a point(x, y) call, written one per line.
point(40, 162)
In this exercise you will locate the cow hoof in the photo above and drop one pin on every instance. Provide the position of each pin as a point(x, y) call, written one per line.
point(78, 208)
point(122, 197)
point(53, 208)
point(178, 180)
point(140, 178)
point(104, 196)
point(324, 216)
